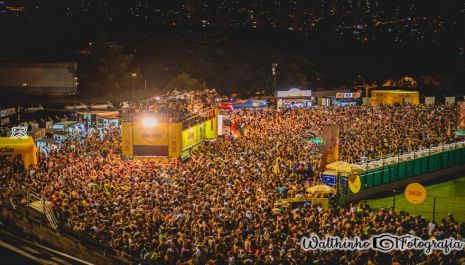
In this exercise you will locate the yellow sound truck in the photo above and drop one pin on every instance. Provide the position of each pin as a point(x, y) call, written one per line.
point(148, 135)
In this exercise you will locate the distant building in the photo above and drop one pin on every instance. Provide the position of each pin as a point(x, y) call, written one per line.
point(390, 97)
point(38, 78)
point(294, 97)
point(321, 92)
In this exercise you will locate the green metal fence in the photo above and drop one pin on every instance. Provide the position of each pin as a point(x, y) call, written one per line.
point(433, 208)
point(431, 162)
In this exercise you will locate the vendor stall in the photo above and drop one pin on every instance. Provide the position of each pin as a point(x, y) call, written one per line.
point(347, 99)
point(294, 98)
point(391, 97)
point(72, 127)
point(345, 176)
point(99, 118)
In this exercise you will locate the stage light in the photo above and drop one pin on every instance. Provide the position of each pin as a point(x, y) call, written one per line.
point(149, 122)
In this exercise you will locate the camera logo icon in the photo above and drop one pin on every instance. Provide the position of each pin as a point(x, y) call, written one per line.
point(384, 242)
point(19, 133)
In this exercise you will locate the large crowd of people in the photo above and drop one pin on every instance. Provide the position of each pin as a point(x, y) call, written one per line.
point(375, 132)
point(219, 206)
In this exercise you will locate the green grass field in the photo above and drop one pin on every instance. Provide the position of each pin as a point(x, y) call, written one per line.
point(450, 198)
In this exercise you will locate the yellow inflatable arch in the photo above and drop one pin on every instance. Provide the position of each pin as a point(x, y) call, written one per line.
point(17, 146)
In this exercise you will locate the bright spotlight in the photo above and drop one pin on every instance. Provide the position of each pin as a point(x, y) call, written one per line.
point(149, 122)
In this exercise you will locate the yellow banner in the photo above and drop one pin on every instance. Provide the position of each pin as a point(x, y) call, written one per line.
point(331, 144)
point(191, 136)
point(355, 185)
point(158, 135)
point(390, 97)
point(211, 128)
point(126, 143)
point(175, 145)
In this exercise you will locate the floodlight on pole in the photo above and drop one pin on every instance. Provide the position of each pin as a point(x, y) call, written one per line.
point(134, 77)
point(274, 66)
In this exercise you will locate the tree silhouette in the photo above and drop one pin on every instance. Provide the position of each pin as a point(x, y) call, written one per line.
point(184, 82)
point(106, 70)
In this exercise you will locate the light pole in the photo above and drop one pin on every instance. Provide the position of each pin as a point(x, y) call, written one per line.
point(365, 85)
point(365, 189)
point(145, 87)
point(434, 209)
point(394, 200)
point(274, 66)
point(134, 76)
point(75, 84)
point(75, 92)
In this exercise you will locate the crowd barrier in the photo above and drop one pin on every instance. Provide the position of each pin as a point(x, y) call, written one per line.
point(392, 169)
